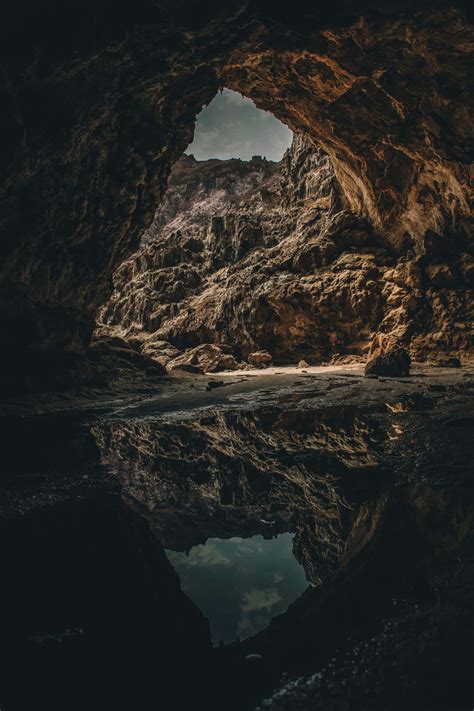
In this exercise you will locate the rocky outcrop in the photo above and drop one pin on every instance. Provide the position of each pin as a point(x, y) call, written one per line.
point(268, 256)
point(387, 357)
point(262, 472)
point(207, 358)
point(99, 103)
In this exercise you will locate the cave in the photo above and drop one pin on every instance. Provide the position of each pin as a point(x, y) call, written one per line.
point(265, 359)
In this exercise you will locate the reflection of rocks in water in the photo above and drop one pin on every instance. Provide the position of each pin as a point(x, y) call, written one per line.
point(234, 473)
point(378, 499)
point(392, 629)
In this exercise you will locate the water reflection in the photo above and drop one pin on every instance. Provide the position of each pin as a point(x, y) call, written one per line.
point(377, 497)
point(240, 583)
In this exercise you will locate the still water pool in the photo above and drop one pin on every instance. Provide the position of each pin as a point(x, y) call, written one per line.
point(240, 583)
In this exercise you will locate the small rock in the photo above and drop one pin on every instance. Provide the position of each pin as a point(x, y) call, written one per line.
point(303, 364)
point(448, 362)
point(387, 358)
point(212, 384)
point(254, 658)
point(260, 359)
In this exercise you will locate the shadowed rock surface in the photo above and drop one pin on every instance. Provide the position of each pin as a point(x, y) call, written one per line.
point(387, 357)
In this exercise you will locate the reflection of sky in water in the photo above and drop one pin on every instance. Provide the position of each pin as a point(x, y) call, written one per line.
point(240, 583)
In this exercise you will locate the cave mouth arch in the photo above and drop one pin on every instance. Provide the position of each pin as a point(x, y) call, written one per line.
point(248, 263)
point(231, 126)
point(335, 279)
point(85, 174)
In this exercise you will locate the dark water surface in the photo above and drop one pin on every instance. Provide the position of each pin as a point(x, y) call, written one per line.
point(327, 542)
point(240, 583)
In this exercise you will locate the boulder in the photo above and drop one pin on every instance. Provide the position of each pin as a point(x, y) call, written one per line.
point(303, 364)
point(441, 275)
point(184, 367)
point(387, 358)
point(260, 359)
point(161, 351)
point(445, 362)
point(207, 358)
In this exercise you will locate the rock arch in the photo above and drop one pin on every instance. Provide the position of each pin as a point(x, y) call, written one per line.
point(100, 102)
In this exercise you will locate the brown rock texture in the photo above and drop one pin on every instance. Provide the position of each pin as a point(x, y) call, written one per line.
point(212, 471)
point(99, 102)
point(387, 357)
point(267, 256)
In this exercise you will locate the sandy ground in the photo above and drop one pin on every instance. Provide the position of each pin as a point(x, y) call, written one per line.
point(331, 385)
point(321, 386)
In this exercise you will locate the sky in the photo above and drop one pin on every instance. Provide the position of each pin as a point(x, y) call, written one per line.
point(240, 583)
point(231, 126)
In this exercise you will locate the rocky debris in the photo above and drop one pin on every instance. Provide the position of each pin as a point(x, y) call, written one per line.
point(260, 359)
point(268, 256)
point(303, 364)
point(82, 179)
point(206, 358)
point(161, 351)
point(445, 362)
point(213, 384)
point(387, 358)
point(347, 359)
point(185, 367)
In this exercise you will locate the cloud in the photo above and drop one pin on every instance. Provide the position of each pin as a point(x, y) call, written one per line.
point(201, 556)
point(257, 609)
point(260, 599)
point(231, 126)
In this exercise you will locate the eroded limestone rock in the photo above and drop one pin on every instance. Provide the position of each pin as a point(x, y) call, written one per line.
point(267, 256)
point(260, 359)
point(97, 112)
point(207, 358)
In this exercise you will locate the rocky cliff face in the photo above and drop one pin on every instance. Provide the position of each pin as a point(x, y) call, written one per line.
point(259, 255)
point(100, 101)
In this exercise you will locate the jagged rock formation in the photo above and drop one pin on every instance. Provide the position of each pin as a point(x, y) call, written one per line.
point(212, 471)
point(99, 102)
point(269, 256)
point(387, 358)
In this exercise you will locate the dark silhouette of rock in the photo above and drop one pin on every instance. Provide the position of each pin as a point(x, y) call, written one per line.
point(387, 358)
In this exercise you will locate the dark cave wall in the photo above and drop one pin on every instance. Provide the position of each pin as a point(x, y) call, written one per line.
point(100, 101)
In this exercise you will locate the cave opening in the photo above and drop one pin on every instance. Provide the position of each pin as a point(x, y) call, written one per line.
point(251, 256)
point(189, 330)
point(231, 126)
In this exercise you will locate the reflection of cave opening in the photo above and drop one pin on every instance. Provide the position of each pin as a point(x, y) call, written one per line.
point(241, 583)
